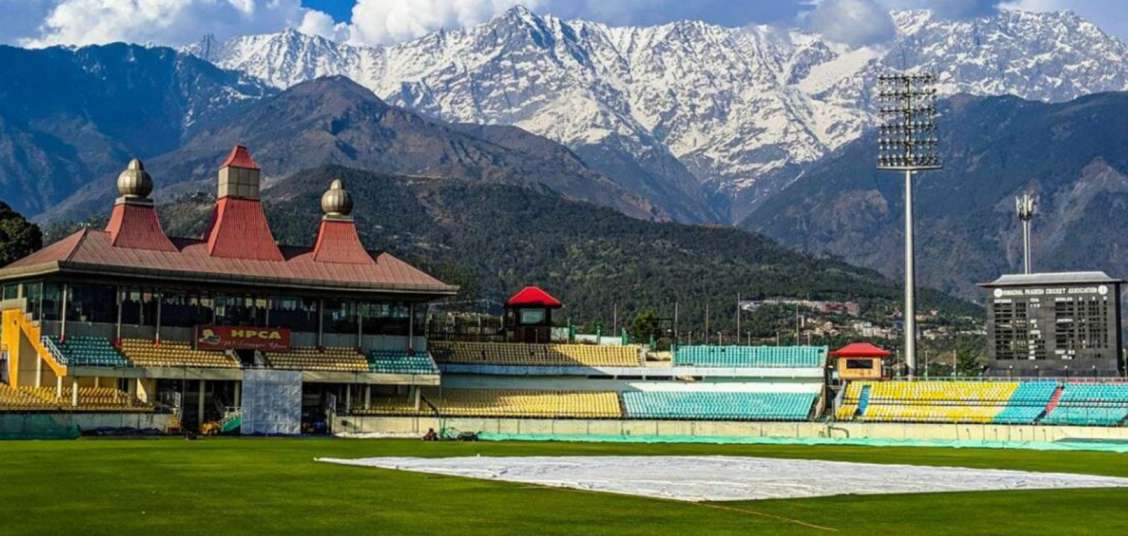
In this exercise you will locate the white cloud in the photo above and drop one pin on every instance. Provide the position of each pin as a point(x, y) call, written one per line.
point(390, 21)
point(166, 22)
point(855, 22)
point(318, 23)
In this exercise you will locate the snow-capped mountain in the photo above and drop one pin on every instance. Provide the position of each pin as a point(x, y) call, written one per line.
point(697, 107)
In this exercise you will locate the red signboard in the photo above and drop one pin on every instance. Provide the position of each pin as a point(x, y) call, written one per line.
point(242, 338)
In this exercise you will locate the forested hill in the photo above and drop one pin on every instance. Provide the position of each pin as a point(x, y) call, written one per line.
point(494, 238)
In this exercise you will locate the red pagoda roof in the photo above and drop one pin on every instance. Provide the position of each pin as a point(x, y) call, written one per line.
point(238, 248)
point(90, 251)
point(860, 349)
point(239, 230)
point(137, 226)
point(239, 157)
point(533, 296)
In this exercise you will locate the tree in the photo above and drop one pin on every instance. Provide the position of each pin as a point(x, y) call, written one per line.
point(18, 237)
point(969, 357)
point(645, 325)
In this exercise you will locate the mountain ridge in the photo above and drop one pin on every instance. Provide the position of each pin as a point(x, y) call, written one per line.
point(69, 115)
point(1070, 155)
point(333, 120)
point(716, 110)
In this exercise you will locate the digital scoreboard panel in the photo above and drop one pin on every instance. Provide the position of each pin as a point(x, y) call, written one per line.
point(1054, 325)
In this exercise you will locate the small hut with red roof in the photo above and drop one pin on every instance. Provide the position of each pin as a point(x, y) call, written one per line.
point(860, 361)
point(529, 315)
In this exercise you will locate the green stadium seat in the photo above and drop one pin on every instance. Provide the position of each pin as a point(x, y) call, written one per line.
point(708, 405)
point(1091, 404)
point(400, 362)
point(85, 351)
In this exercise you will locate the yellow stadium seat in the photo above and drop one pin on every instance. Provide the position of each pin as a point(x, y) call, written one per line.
point(505, 403)
point(522, 354)
point(333, 359)
point(145, 353)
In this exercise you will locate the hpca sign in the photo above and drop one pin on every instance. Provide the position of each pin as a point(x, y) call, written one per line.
point(242, 338)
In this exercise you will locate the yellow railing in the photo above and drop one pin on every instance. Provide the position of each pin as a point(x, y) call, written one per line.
point(17, 323)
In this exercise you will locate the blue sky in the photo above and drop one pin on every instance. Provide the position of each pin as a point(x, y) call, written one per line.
point(37, 23)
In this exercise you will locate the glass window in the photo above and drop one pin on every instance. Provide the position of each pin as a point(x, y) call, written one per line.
point(52, 296)
point(297, 314)
point(34, 293)
point(532, 317)
point(131, 307)
point(92, 303)
point(185, 310)
point(340, 316)
point(385, 318)
point(240, 311)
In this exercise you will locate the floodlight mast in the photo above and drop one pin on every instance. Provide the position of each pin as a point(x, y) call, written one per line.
point(907, 142)
point(1024, 206)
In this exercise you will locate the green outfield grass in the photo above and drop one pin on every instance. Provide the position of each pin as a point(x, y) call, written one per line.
point(224, 486)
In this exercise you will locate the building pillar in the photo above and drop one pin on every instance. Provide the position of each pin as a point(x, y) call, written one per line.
point(348, 398)
point(200, 403)
point(320, 323)
point(117, 329)
point(63, 313)
point(131, 390)
point(97, 382)
point(74, 391)
point(238, 394)
point(368, 396)
point(418, 397)
point(58, 387)
point(411, 328)
point(359, 326)
point(38, 371)
point(157, 332)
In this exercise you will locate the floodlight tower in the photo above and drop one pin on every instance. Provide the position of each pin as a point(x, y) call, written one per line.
point(1024, 206)
point(907, 142)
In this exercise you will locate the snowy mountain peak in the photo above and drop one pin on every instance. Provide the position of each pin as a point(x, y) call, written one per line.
point(693, 104)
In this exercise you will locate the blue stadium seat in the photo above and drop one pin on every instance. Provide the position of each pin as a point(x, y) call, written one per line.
point(1091, 404)
point(751, 356)
point(400, 362)
point(85, 351)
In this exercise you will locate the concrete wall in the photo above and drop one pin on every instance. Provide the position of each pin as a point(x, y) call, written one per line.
point(791, 430)
point(90, 421)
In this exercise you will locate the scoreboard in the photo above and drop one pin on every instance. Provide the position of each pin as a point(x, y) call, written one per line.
point(1061, 324)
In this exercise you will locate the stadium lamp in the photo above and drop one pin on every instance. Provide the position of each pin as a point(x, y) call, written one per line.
point(906, 141)
point(1024, 206)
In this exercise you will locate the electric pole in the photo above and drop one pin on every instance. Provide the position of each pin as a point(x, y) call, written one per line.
point(1024, 206)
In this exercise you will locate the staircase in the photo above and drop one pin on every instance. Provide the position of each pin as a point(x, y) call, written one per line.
point(1054, 400)
point(30, 330)
point(231, 422)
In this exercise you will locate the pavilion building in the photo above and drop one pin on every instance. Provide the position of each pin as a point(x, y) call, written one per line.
point(131, 318)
